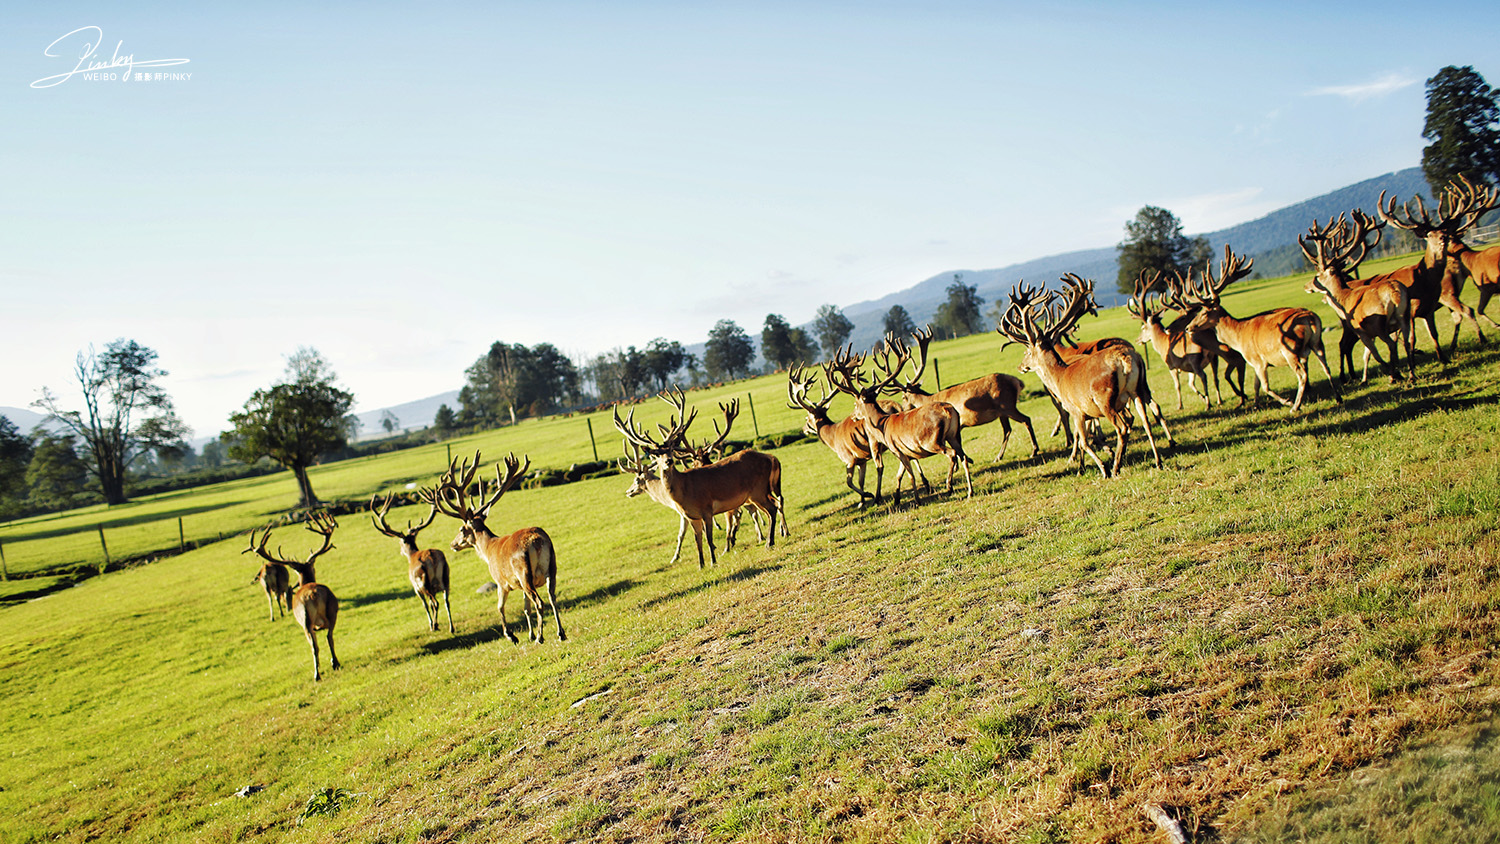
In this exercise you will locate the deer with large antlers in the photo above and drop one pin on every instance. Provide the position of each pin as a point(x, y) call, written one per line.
point(708, 452)
point(524, 560)
point(426, 568)
point(847, 439)
point(314, 605)
point(274, 579)
point(1438, 278)
point(1483, 265)
point(909, 434)
point(1378, 308)
point(979, 401)
point(1180, 349)
point(1283, 335)
point(1102, 385)
point(698, 494)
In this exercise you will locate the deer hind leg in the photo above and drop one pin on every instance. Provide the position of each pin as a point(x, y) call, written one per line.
point(1146, 418)
point(332, 654)
point(849, 482)
point(1177, 386)
point(312, 641)
point(532, 602)
point(1081, 439)
point(1026, 420)
point(448, 608)
point(682, 526)
point(1317, 349)
point(1461, 312)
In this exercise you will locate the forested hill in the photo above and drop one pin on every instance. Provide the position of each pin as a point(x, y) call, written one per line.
point(1268, 239)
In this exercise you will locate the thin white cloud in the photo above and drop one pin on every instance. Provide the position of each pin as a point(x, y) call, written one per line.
point(1386, 84)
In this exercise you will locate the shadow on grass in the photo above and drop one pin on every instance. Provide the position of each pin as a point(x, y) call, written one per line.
point(747, 573)
point(465, 641)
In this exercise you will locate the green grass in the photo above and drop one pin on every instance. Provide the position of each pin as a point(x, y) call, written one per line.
point(1293, 600)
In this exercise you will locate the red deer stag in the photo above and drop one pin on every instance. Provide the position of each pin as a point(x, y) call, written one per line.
point(1283, 335)
point(847, 439)
point(1102, 385)
point(1437, 279)
point(1376, 309)
point(978, 402)
point(709, 452)
point(524, 560)
point(313, 604)
point(909, 434)
point(1483, 266)
point(1179, 349)
point(699, 494)
point(426, 568)
point(274, 579)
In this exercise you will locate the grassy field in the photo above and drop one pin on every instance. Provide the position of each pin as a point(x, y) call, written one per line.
point(1290, 625)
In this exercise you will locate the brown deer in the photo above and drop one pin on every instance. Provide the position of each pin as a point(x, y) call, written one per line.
point(426, 568)
point(274, 579)
point(909, 434)
point(699, 494)
point(1282, 335)
point(1378, 308)
point(1437, 279)
point(1178, 348)
point(524, 560)
point(847, 439)
point(978, 401)
point(1102, 385)
point(1483, 266)
point(709, 452)
point(314, 605)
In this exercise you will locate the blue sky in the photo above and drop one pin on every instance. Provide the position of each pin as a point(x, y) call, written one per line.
point(401, 185)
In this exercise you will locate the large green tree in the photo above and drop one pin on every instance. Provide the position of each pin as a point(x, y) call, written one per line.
point(126, 412)
point(513, 380)
point(832, 328)
point(728, 352)
point(898, 322)
point(782, 345)
point(56, 476)
point(662, 359)
point(1463, 123)
point(1154, 241)
point(295, 422)
point(15, 456)
point(961, 315)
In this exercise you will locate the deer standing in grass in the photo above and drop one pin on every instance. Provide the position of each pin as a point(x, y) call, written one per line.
point(524, 560)
point(1283, 335)
point(274, 579)
point(847, 439)
point(710, 452)
point(1438, 278)
point(909, 434)
point(1483, 265)
point(314, 605)
point(699, 494)
point(1102, 385)
point(1183, 351)
point(427, 568)
point(1377, 309)
point(978, 401)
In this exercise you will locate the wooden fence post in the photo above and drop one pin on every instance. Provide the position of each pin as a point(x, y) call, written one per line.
point(4, 569)
point(592, 444)
point(937, 375)
point(753, 420)
point(181, 539)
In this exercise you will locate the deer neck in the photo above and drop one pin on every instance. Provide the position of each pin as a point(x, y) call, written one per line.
point(409, 547)
point(305, 572)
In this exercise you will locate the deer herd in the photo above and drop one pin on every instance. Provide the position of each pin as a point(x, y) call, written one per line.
point(1096, 380)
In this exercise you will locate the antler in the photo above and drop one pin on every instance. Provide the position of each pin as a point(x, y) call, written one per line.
point(450, 495)
point(730, 411)
point(890, 360)
point(1023, 301)
point(1465, 201)
point(1146, 282)
point(843, 373)
point(1341, 238)
point(384, 507)
point(1206, 291)
point(923, 336)
point(259, 547)
point(322, 523)
point(797, 384)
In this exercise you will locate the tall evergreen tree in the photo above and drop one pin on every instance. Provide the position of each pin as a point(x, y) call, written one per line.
point(1463, 123)
point(898, 322)
point(56, 476)
point(1154, 241)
